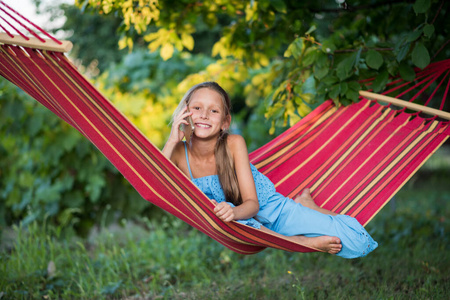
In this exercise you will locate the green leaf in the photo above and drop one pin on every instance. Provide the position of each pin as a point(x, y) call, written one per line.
point(309, 85)
point(374, 59)
point(320, 72)
point(353, 85)
point(322, 89)
point(428, 30)
point(345, 101)
point(380, 81)
point(420, 56)
point(357, 57)
point(329, 80)
point(298, 89)
point(343, 88)
point(403, 51)
point(311, 29)
point(344, 68)
point(310, 57)
point(295, 49)
point(308, 98)
point(322, 60)
point(293, 119)
point(406, 72)
point(275, 111)
point(352, 95)
point(412, 36)
point(392, 67)
point(421, 6)
point(334, 91)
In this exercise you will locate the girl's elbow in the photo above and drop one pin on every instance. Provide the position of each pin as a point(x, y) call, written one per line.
point(256, 205)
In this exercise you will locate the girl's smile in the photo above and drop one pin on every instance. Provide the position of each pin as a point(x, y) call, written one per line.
point(202, 125)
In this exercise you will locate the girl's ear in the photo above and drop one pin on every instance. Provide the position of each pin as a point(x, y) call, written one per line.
point(227, 122)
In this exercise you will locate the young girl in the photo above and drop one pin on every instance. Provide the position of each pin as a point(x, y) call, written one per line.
point(218, 163)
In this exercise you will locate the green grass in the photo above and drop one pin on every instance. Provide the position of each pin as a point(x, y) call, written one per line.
point(170, 260)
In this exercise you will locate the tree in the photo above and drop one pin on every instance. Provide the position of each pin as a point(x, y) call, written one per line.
point(298, 53)
point(49, 171)
point(87, 31)
point(277, 59)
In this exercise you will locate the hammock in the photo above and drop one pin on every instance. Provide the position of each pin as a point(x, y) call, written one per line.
point(353, 158)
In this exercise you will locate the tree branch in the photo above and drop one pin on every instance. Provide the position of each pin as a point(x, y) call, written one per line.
point(437, 13)
point(363, 50)
point(347, 8)
point(440, 49)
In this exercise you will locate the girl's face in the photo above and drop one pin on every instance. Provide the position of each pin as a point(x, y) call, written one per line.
point(208, 113)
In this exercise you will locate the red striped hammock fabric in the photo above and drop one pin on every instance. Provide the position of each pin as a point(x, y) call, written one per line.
point(353, 158)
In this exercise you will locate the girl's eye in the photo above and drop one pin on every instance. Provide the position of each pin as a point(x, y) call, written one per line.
point(215, 111)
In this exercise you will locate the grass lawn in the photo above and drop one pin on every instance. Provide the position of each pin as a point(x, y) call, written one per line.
point(169, 260)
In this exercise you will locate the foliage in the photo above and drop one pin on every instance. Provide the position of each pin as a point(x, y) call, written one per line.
point(170, 260)
point(50, 171)
point(86, 32)
point(328, 46)
point(278, 59)
point(94, 37)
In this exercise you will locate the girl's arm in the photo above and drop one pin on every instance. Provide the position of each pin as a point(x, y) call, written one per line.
point(250, 205)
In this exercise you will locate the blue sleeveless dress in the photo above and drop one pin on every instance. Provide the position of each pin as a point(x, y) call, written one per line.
point(283, 215)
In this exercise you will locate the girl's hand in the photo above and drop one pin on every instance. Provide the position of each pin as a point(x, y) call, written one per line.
point(224, 211)
point(176, 134)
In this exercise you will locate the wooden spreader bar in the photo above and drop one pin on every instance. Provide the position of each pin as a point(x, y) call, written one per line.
point(33, 42)
point(403, 103)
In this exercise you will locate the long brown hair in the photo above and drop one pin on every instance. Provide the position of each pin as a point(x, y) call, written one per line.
point(224, 160)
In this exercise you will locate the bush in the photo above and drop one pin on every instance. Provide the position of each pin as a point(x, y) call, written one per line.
point(48, 170)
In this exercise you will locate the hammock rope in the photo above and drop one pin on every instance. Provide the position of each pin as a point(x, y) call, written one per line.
point(354, 158)
point(11, 12)
point(12, 20)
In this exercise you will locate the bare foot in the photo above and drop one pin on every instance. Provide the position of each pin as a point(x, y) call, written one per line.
point(324, 243)
point(305, 199)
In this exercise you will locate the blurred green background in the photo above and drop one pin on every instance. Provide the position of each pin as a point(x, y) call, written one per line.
point(72, 227)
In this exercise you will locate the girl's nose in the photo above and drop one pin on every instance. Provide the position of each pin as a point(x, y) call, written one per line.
point(204, 114)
